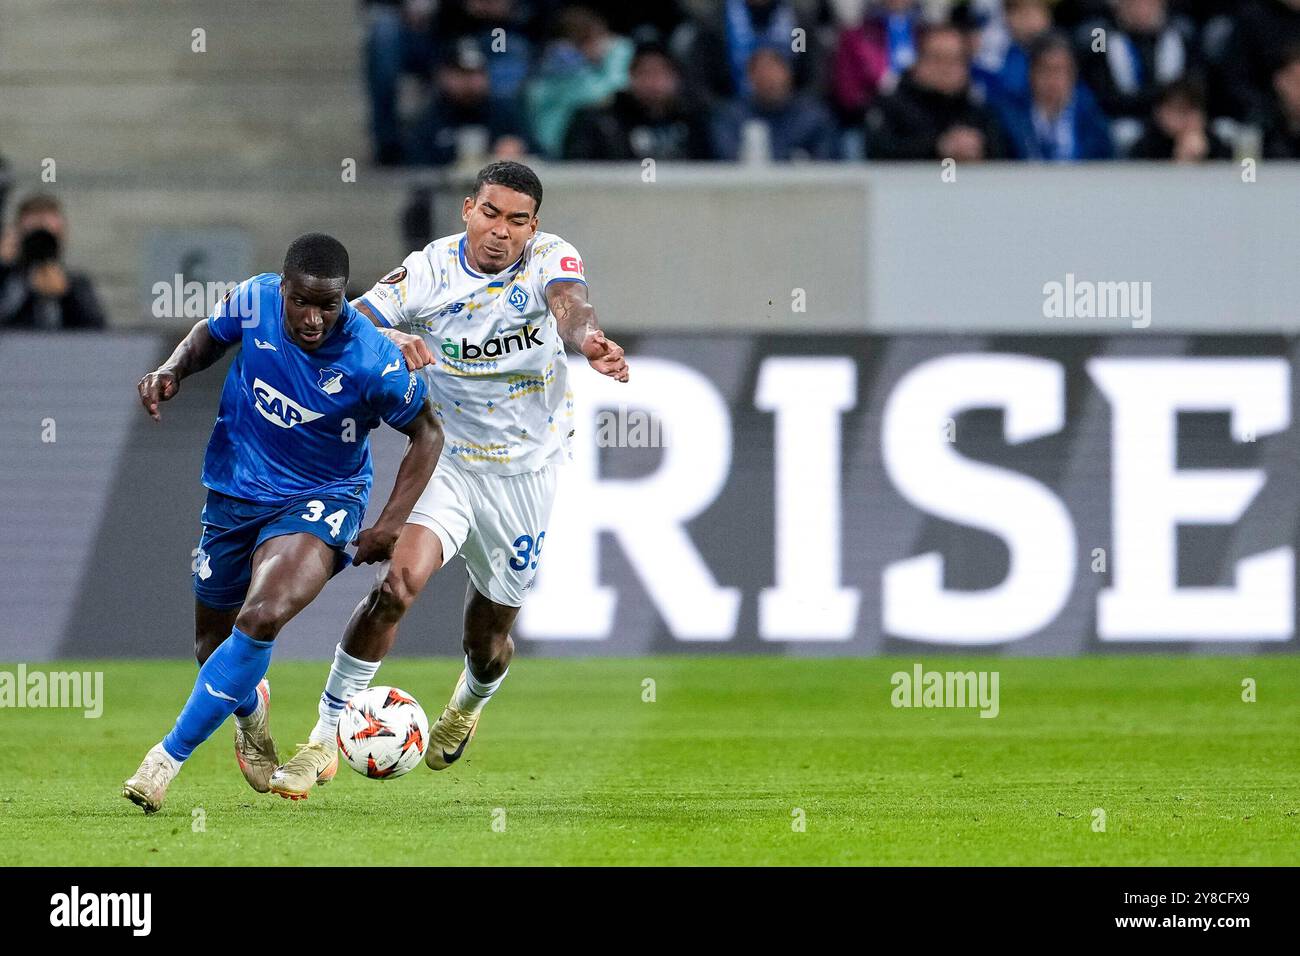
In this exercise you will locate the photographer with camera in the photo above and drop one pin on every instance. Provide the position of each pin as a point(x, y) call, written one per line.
point(36, 290)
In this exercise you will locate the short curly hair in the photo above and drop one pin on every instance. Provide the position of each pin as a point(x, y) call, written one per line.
point(316, 254)
point(512, 175)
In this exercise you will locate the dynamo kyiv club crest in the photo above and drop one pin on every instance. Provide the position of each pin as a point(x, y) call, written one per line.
point(518, 298)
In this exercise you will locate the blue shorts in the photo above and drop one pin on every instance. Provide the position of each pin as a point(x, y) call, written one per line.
point(234, 528)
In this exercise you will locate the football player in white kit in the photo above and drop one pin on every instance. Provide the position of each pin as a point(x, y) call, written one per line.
point(489, 312)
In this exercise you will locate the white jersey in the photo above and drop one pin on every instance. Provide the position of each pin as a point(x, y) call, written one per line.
point(499, 383)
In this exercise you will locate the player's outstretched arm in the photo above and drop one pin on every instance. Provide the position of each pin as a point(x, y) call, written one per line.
point(414, 349)
point(425, 432)
point(196, 352)
point(581, 331)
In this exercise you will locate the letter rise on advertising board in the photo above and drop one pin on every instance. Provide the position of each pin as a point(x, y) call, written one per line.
point(958, 497)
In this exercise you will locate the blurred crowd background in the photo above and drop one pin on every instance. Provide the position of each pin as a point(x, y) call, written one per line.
point(851, 80)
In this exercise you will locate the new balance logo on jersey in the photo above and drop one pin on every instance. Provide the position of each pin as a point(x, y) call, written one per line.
point(525, 338)
point(278, 408)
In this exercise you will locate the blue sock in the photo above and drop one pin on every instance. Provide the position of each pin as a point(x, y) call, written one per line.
point(248, 705)
point(225, 681)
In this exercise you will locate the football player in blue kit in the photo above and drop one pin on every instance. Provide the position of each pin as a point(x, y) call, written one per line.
point(288, 473)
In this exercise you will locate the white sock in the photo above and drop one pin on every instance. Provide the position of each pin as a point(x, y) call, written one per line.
point(251, 718)
point(161, 751)
point(349, 676)
point(474, 694)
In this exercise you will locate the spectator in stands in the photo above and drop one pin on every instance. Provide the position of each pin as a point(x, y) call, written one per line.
point(1070, 14)
point(397, 42)
point(775, 122)
point(508, 54)
point(465, 121)
point(642, 22)
point(1140, 51)
point(932, 114)
point(36, 290)
point(586, 65)
point(1263, 31)
point(1008, 80)
point(1282, 127)
point(718, 52)
point(870, 57)
point(1178, 127)
point(1145, 50)
point(651, 118)
point(1061, 121)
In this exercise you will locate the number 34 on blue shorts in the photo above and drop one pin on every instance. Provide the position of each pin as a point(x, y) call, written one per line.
point(234, 528)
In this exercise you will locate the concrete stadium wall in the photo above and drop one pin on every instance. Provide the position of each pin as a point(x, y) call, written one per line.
point(894, 248)
point(799, 249)
point(147, 87)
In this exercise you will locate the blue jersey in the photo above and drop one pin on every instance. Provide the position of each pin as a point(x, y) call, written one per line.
point(294, 422)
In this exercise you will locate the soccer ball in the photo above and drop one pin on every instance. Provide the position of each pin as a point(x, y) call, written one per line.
point(383, 732)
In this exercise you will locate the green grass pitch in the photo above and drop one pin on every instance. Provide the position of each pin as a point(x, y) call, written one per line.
point(582, 770)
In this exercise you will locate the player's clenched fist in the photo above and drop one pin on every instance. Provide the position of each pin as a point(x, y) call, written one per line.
point(158, 386)
point(414, 349)
point(605, 356)
point(374, 544)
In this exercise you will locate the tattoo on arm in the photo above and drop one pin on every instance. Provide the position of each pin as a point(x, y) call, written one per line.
point(575, 316)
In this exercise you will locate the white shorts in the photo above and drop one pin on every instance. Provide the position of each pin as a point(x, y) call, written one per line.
point(497, 523)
